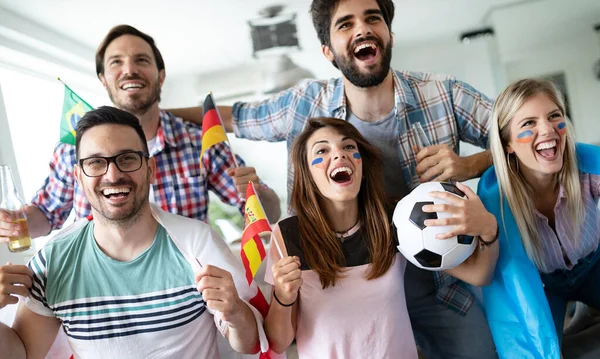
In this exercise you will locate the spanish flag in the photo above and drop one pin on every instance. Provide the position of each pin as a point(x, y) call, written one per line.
point(213, 131)
point(74, 107)
point(255, 222)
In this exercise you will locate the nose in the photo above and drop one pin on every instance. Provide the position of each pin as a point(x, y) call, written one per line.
point(338, 154)
point(113, 173)
point(129, 67)
point(362, 29)
point(546, 128)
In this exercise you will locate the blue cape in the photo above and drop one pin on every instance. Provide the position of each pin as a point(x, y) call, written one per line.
point(515, 303)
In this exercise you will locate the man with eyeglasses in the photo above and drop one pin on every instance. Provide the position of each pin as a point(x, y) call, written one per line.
point(136, 281)
point(132, 70)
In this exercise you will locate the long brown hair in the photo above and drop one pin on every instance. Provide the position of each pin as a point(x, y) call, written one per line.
point(322, 250)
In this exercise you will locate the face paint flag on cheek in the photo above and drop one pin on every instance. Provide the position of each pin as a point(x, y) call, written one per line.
point(525, 136)
point(357, 156)
point(562, 128)
point(317, 162)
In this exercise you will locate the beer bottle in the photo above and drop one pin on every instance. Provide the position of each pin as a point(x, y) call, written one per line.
point(14, 205)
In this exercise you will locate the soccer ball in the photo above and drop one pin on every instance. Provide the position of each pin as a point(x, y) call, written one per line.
point(417, 242)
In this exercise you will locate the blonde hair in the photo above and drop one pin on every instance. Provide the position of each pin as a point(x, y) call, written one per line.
point(511, 182)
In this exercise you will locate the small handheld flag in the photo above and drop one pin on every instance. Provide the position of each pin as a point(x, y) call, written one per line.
point(255, 222)
point(74, 107)
point(213, 131)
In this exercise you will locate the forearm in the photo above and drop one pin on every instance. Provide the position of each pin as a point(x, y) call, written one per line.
point(37, 222)
point(271, 203)
point(11, 345)
point(279, 326)
point(194, 114)
point(477, 164)
point(478, 269)
point(243, 333)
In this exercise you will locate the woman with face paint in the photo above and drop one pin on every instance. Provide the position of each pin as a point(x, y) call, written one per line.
point(337, 277)
point(548, 189)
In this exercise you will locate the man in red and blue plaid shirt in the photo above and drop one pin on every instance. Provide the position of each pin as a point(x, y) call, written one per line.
point(132, 70)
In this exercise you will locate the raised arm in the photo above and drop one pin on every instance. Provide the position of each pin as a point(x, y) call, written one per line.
point(37, 224)
point(285, 276)
point(35, 332)
point(194, 114)
point(32, 334)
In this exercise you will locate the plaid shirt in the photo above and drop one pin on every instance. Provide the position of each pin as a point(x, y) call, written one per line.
point(181, 185)
point(448, 110)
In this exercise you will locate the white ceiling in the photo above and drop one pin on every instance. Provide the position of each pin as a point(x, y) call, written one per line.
point(206, 35)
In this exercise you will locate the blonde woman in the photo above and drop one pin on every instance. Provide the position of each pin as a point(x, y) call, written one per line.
point(544, 191)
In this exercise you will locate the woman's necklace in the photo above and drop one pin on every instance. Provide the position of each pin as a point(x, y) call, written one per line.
point(350, 231)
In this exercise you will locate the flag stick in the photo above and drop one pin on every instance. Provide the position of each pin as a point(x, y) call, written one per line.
point(221, 120)
point(250, 183)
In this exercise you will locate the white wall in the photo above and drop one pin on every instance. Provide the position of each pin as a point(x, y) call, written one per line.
point(575, 58)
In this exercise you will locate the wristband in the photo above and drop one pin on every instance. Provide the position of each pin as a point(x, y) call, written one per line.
point(281, 304)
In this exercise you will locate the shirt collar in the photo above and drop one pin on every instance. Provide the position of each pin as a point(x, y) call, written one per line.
point(403, 95)
point(171, 131)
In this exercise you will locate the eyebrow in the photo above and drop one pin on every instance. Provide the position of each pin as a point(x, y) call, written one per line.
point(535, 117)
point(136, 56)
point(348, 17)
point(99, 154)
point(325, 141)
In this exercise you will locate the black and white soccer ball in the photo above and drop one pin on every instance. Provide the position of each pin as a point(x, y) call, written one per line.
point(417, 242)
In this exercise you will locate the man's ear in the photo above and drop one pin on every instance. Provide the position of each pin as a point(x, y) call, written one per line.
point(103, 80)
point(152, 169)
point(327, 53)
point(161, 76)
point(77, 173)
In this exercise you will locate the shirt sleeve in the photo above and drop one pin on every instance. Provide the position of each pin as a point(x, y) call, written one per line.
point(55, 197)
point(473, 111)
point(270, 119)
point(36, 301)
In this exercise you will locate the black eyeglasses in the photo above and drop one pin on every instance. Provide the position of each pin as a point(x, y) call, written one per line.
point(97, 166)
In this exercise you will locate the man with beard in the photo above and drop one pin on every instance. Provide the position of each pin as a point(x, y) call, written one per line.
point(132, 70)
point(136, 281)
point(384, 104)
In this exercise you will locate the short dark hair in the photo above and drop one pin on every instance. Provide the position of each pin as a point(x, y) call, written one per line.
point(322, 11)
point(108, 115)
point(119, 31)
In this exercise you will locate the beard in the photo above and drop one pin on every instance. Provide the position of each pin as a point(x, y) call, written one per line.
point(377, 72)
point(138, 104)
point(126, 214)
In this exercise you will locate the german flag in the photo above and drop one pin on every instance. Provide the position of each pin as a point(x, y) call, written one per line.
point(213, 131)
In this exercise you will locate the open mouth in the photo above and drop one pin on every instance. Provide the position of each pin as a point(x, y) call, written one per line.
point(341, 175)
point(116, 193)
point(132, 86)
point(366, 51)
point(547, 149)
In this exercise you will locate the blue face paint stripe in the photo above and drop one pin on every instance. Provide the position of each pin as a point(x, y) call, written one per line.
point(356, 155)
point(562, 125)
point(316, 161)
point(527, 133)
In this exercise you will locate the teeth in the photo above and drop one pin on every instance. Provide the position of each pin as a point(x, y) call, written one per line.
point(364, 46)
point(545, 145)
point(108, 191)
point(131, 85)
point(340, 169)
